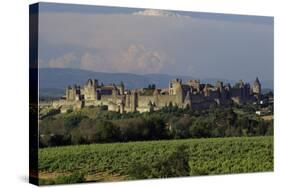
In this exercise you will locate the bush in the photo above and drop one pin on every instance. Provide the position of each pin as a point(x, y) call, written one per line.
point(104, 108)
point(150, 127)
point(83, 133)
point(180, 129)
point(73, 178)
point(68, 111)
point(105, 131)
point(200, 128)
point(89, 126)
point(175, 165)
point(71, 121)
point(132, 129)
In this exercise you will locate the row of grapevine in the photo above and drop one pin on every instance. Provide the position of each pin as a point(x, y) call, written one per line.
point(205, 156)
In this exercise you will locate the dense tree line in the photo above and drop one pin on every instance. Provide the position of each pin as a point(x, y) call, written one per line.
point(168, 123)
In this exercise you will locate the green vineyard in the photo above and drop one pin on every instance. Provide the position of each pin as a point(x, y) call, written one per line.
point(155, 159)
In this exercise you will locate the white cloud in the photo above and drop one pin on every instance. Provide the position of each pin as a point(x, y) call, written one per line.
point(92, 62)
point(150, 44)
point(67, 60)
point(155, 12)
point(139, 59)
point(135, 59)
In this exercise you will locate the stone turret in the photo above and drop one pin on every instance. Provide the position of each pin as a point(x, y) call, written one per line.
point(175, 87)
point(240, 84)
point(114, 91)
point(122, 88)
point(89, 82)
point(67, 92)
point(206, 90)
point(122, 104)
point(257, 87)
point(90, 89)
point(156, 94)
point(219, 86)
point(134, 101)
point(187, 100)
point(72, 93)
point(191, 94)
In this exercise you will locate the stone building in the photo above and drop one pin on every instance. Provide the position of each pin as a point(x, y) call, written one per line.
point(191, 94)
point(256, 90)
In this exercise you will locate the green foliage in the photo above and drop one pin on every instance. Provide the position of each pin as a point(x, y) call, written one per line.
point(73, 120)
point(44, 112)
point(105, 131)
point(173, 165)
point(69, 111)
point(104, 108)
point(149, 127)
point(76, 177)
point(83, 134)
point(97, 125)
point(180, 128)
point(153, 159)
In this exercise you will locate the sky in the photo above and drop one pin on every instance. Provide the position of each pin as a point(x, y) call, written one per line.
point(146, 41)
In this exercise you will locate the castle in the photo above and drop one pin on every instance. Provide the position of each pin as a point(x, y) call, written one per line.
point(191, 94)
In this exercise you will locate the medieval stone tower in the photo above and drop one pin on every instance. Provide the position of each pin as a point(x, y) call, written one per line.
point(191, 94)
point(90, 90)
point(73, 93)
point(175, 88)
point(122, 88)
point(257, 87)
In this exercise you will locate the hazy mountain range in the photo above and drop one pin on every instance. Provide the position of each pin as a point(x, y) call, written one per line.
point(53, 81)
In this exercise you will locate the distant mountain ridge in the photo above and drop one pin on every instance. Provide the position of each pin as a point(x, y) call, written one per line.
point(58, 78)
point(53, 81)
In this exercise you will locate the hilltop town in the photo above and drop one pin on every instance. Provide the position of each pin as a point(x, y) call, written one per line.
point(190, 94)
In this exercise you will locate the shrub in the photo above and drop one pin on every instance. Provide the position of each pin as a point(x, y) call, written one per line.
point(105, 131)
point(175, 165)
point(73, 178)
point(104, 108)
point(180, 129)
point(69, 110)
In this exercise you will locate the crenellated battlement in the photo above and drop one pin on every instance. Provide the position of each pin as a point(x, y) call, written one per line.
point(192, 94)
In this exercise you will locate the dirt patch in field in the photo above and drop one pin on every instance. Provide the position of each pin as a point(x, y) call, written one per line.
point(267, 118)
point(105, 176)
point(96, 177)
point(51, 175)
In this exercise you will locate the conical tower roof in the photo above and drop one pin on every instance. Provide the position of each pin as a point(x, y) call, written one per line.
point(89, 82)
point(257, 82)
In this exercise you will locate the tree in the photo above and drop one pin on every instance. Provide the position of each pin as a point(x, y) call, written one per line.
point(180, 128)
point(73, 120)
point(174, 165)
point(105, 131)
point(156, 127)
point(200, 128)
point(83, 134)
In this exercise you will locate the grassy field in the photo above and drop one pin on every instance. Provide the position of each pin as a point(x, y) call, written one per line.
point(119, 161)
